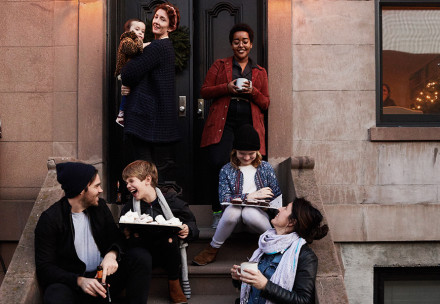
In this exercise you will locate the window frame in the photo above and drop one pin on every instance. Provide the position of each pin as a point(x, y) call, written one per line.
point(382, 274)
point(397, 120)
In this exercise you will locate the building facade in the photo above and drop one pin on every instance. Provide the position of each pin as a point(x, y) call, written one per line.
point(380, 184)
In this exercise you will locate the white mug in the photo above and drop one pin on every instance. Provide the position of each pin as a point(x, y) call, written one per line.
point(247, 266)
point(240, 82)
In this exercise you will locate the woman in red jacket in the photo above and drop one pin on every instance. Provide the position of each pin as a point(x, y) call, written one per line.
point(232, 106)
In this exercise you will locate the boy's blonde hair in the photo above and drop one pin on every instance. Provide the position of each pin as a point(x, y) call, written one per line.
point(141, 169)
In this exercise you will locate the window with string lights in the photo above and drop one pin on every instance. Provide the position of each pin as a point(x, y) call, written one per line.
point(408, 63)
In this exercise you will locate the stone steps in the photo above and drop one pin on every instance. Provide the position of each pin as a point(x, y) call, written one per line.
point(210, 283)
point(199, 299)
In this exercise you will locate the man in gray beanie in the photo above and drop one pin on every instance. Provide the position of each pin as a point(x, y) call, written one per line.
point(76, 235)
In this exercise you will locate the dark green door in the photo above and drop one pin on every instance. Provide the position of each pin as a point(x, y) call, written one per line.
point(208, 23)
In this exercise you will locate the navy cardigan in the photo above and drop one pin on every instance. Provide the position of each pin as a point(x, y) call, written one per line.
point(151, 107)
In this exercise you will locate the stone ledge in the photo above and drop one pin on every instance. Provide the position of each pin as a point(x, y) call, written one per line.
point(23, 290)
point(326, 287)
point(330, 286)
point(20, 284)
point(384, 223)
point(303, 162)
point(404, 134)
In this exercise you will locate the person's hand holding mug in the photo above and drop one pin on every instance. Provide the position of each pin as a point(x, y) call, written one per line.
point(234, 272)
point(243, 86)
point(253, 278)
point(248, 272)
point(232, 88)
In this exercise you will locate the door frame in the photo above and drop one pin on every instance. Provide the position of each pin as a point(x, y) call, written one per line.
point(112, 133)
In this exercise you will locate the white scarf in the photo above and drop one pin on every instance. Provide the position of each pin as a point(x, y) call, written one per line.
point(168, 214)
point(287, 244)
point(162, 202)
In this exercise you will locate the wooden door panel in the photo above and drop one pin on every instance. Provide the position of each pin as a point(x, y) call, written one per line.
point(212, 22)
point(208, 22)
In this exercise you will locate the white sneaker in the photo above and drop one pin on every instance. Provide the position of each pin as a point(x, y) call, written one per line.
point(215, 219)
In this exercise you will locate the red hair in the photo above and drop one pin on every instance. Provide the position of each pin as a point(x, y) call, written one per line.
point(172, 12)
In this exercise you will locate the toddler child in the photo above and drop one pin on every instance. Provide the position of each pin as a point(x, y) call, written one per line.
point(131, 45)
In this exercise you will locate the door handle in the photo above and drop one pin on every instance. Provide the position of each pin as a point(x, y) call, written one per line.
point(182, 106)
point(0, 128)
point(201, 108)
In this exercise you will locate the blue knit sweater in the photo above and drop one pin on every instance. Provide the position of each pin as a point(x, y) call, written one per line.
point(231, 181)
point(151, 108)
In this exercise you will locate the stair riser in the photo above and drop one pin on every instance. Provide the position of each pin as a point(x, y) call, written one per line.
point(236, 250)
point(200, 285)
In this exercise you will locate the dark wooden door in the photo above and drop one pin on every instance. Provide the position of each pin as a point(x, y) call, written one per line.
point(208, 23)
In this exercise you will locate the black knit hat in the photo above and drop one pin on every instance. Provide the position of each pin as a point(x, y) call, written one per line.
point(246, 139)
point(74, 177)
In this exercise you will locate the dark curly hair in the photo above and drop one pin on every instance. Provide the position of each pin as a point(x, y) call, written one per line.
point(307, 220)
point(241, 27)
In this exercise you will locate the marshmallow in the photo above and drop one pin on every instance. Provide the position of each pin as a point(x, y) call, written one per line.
point(160, 220)
point(174, 221)
point(133, 218)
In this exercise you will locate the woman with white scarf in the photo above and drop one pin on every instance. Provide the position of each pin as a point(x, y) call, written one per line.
point(286, 265)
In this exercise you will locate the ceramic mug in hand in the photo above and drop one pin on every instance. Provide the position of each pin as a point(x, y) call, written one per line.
point(240, 82)
point(247, 266)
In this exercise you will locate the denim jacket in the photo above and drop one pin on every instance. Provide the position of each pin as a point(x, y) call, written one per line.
point(231, 181)
point(267, 265)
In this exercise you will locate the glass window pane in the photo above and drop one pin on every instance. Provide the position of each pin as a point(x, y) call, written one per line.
point(412, 292)
point(410, 60)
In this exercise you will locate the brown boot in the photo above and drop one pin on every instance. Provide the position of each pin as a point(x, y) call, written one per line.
point(176, 293)
point(206, 256)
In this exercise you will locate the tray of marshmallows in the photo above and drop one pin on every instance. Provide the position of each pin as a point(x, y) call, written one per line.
point(259, 203)
point(132, 219)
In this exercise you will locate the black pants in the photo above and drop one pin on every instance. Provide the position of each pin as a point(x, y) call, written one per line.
point(134, 274)
point(163, 155)
point(161, 252)
point(218, 155)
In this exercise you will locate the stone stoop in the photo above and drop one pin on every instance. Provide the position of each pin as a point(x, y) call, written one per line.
point(330, 287)
point(211, 283)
